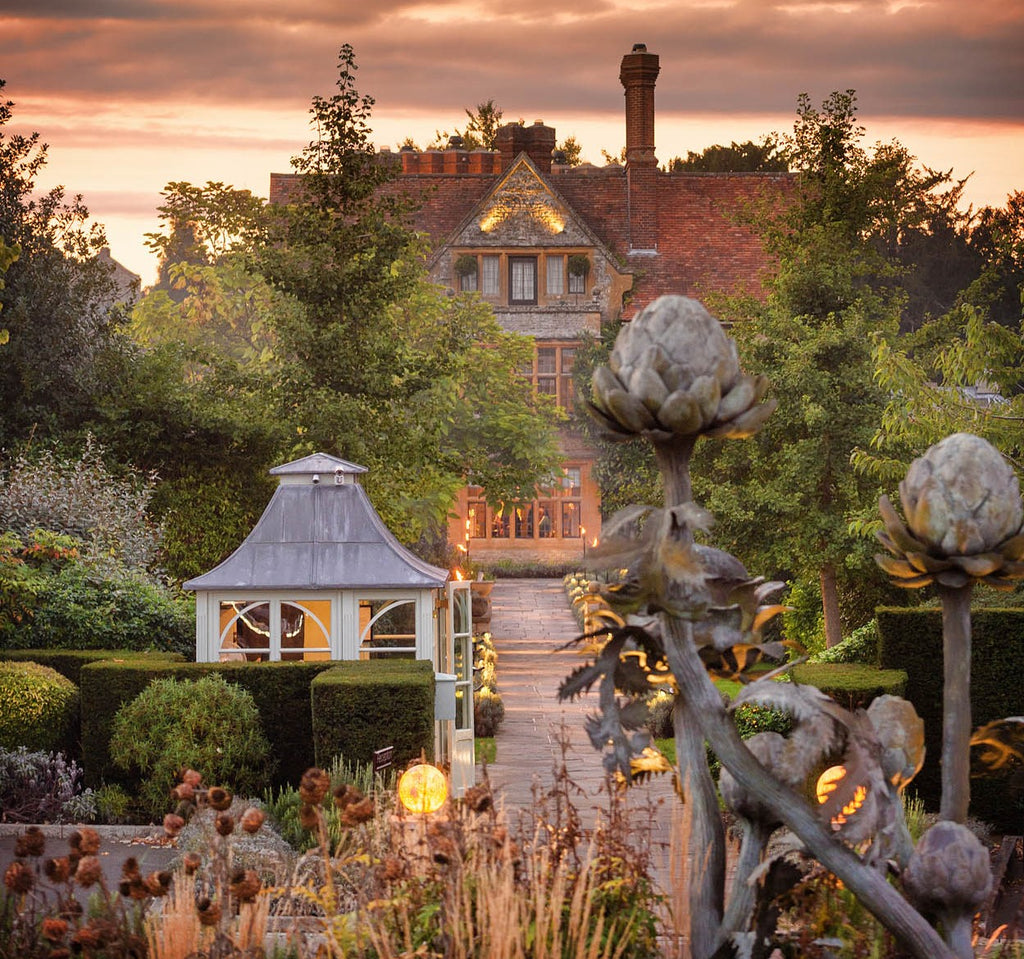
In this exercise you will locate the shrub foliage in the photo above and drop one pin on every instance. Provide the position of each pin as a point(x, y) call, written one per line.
point(38, 707)
point(208, 724)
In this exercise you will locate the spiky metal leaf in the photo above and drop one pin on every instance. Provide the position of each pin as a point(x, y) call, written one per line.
point(997, 748)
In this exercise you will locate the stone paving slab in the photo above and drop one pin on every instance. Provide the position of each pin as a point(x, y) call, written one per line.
point(530, 621)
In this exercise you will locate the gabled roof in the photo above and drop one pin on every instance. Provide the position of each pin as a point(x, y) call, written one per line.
point(521, 192)
point(315, 536)
point(317, 463)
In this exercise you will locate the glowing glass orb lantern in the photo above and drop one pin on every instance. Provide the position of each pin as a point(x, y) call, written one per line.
point(423, 788)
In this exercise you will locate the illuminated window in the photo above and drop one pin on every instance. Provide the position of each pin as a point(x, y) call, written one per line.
point(524, 521)
point(556, 514)
point(522, 274)
point(551, 371)
point(477, 519)
point(263, 630)
point(387, 628)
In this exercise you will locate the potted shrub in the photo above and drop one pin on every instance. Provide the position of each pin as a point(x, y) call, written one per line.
point(579, 268)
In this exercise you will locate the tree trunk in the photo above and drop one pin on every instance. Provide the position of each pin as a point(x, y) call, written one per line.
point(830, 606)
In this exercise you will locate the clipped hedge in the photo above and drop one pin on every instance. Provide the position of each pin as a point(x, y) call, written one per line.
point(365, 705)
point(69, 662)
point(852, 685)
point(38, 708)
point(912, 640)
point(281, 692)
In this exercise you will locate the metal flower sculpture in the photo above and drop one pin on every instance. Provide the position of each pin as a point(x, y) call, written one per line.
point(964, 513)
point(950, 877)
point(674, 372)
point(689, 610)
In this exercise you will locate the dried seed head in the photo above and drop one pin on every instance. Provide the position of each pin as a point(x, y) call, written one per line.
point(949, 871)
point(31, 842)
point(252, 820)
point(19, 878)
point(308, 817)
point(209, 912)
point(86, 841)
point(173, 824)
point(58, 870)
point(184, 792)
point(245, 885)
point(963, 519)
point(224, 824)
point(158, 883)
point(674, 373)
point(191, 861)
point(130, 870)
point(962, 497)
point(191, 777)
point(218, 798)
point(344, 795)
point(478, 798)
point(54, 930)
point(89, 871)
point(314, 785)
point(357, 812)
point(89, 936)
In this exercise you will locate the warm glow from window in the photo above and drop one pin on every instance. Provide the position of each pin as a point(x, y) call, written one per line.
point(423, 788)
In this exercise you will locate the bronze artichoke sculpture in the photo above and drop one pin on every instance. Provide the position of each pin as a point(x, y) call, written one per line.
point(673, 372)
point(950, 876)
point(964, 515)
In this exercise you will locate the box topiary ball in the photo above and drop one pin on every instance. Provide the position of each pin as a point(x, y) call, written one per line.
point(38, 707)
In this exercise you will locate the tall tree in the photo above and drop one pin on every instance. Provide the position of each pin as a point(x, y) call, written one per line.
point(56, 298)
point(480, 132)
point(325, 301)
point(836, 288)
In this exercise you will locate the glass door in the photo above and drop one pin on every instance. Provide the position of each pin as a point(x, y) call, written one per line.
point(460, 633)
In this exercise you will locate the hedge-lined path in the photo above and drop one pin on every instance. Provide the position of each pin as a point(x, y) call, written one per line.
point(530, 620)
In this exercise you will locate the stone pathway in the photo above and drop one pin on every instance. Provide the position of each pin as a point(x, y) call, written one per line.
point(530, 620)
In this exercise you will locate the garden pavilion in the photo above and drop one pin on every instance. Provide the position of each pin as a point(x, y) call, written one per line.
point(321, 577)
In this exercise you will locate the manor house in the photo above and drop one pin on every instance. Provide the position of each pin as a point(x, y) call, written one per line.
point(559, 251)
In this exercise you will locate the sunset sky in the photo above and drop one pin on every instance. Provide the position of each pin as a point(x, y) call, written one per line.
point(133, 94)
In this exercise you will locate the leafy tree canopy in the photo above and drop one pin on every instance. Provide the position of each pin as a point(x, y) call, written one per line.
point(323, 309)
point(56, 297)
point(746, 157)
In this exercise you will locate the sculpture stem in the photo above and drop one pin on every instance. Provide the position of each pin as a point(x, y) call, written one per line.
point(705, 854)
point(674, 463)
point(705, 703)
point(956, 702)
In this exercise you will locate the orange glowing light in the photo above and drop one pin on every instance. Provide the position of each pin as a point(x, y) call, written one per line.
point(594, 543)
point(828, 781)
point(423, 788)
point(827, 784)
point(458, 575)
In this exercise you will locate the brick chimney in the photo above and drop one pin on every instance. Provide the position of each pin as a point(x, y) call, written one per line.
point(536, 141)
point(638, 74)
